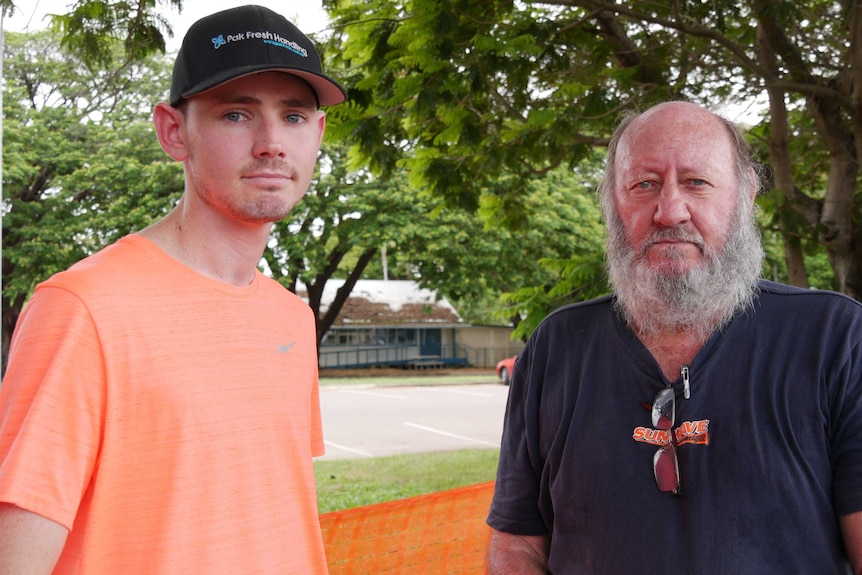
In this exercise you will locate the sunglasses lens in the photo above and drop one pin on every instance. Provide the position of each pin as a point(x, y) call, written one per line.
point(666, 468)
point(663, 408)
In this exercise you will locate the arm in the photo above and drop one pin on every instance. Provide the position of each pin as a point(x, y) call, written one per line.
point(851, 527)
point(29, 543)
point(518, 554)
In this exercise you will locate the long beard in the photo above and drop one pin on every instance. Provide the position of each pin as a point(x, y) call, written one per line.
point(697, 301)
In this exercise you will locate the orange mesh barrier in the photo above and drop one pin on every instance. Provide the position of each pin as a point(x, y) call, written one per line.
point(435, 534)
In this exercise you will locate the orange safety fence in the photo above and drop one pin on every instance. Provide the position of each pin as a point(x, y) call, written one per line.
point(435, 534)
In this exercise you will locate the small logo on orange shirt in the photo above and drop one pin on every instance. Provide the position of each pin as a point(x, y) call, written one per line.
point(285, 348)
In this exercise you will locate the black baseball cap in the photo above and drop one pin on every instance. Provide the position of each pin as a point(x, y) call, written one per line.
point(244, 40)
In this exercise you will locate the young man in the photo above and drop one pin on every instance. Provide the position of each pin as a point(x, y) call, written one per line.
point(160, 410)
point(698, 420)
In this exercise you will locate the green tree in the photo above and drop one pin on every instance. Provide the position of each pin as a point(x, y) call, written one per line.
point(476, 101)
point(496, 270)
point(347, 217)
point(92, 30)
point(81, 166)
point(337, 229)
point(461, 91)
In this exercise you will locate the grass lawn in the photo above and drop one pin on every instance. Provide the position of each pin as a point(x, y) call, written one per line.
point(346, 483)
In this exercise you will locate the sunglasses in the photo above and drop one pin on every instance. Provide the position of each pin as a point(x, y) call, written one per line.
point(665, 462)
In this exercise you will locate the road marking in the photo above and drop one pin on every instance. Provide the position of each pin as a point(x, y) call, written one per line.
point(447, 434)
point(343, 448)
point(457, 391)
point(374, 394)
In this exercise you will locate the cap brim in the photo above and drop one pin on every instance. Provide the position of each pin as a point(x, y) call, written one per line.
point(329, 92)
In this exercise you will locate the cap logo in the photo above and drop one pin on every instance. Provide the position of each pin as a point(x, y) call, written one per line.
point(267, 37)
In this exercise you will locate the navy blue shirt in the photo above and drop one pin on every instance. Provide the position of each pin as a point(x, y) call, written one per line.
point(769, 443)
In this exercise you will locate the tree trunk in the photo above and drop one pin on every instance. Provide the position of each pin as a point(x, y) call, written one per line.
point(836, 224)
point(325, 321)
point(829, 108)
point(779, 153)
point(853, 261)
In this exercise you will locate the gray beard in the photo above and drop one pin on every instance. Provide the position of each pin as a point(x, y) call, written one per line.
point(698, 301)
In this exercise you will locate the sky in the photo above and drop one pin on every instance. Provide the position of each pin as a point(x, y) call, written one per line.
point(308, 15)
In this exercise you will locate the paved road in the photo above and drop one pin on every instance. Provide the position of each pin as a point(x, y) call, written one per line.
point(373, 421)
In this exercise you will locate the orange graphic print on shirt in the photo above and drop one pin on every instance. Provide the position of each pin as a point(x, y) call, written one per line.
point(688, 432)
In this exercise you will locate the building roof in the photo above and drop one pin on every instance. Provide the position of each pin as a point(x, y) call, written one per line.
point(388, 302)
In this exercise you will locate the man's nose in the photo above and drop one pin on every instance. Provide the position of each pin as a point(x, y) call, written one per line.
point(671, 207)
point(268, 142)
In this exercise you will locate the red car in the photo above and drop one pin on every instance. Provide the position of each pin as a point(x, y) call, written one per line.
point(504, 369)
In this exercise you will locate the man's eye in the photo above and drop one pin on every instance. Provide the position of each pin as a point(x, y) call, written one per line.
point(295, 118)
point(233, 116)
point(697, 182)
point(645, 185)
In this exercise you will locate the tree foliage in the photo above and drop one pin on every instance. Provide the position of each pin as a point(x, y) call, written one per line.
point(348, 217)
point(337, 229)
point(475, 258)
point(91, 30)
point(460, 91)
point(497, 107)
point(81, 166)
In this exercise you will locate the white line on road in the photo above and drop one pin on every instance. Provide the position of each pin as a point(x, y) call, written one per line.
point(356, 451)
point(447, 434)
point(374, 394)
point(443, 389)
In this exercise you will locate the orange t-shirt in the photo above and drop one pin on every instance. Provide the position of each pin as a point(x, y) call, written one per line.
point(167, 419)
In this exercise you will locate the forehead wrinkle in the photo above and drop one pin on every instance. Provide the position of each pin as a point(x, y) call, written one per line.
point(641, 155)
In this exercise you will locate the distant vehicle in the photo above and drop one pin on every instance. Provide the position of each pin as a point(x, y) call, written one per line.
point(504, 369)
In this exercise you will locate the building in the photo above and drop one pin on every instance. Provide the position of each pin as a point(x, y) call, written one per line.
point(387, 323)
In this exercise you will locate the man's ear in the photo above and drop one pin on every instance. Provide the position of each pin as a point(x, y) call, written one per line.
point(753, 179)
point(321, 125)
point(169, 123)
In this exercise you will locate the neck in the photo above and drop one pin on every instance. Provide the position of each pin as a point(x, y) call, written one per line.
point(672, 350)
point(221, 249)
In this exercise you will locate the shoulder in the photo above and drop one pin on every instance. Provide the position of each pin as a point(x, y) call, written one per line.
point(806, 301)
point(580, 313)
point(576, 325)
point(784, 290)
point(128, 257)
point(272, 289)
point(795, 316)
point(598, 306)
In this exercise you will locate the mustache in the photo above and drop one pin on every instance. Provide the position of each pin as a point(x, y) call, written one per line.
point(676, 233)
point(273, 165)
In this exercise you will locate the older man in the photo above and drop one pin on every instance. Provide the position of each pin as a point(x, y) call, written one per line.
point(697, 420)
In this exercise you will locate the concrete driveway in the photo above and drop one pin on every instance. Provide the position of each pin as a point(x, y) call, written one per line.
point(374, 421)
